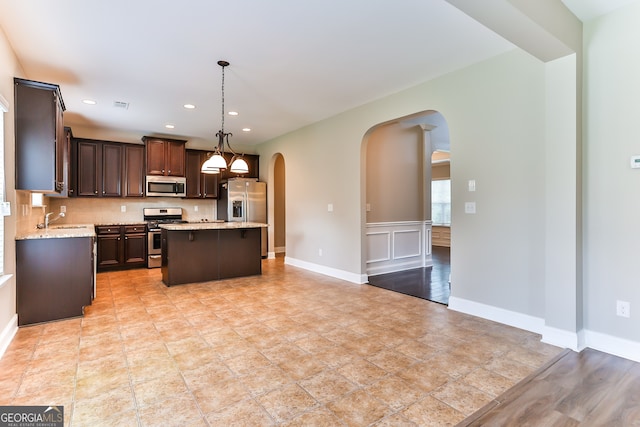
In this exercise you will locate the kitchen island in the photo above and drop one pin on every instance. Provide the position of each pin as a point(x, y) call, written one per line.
point(202, 252)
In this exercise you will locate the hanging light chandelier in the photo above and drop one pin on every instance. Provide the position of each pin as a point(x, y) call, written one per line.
point(216, 162)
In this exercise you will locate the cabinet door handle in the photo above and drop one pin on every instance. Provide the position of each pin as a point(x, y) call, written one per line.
point(169, 171)
point(95, 192)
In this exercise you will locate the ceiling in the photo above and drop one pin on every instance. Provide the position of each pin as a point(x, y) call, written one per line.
point(292, 62)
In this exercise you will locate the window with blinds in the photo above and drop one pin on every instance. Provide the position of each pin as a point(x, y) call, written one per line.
point(441, 202)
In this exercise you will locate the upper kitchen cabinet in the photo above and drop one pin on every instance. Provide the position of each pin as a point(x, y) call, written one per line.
point(199, 185)
point(108, 169)
point(40, 137)
point(133, 170)
point(165, 157)
point(99, 169)
point(253, 162)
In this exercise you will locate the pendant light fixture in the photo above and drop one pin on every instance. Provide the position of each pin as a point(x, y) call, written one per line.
point(216, 162)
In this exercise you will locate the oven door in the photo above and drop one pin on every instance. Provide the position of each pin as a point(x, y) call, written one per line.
point(154, 248)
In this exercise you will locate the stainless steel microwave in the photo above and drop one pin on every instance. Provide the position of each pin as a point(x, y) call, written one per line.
point(166, 186)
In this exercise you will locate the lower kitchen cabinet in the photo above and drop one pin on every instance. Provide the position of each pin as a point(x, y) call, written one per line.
point(121, 246)
point(54, 278)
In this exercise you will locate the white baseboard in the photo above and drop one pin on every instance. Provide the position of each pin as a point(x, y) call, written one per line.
point(327, 271)
point(8, 333)
point(613, 345)
point(392, 268)
point(576, 341)
point(562, 338)
point(500, 315)
point(271, 255)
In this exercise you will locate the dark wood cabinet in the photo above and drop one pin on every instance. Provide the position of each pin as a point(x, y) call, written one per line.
point(99, 169)
point(190, 256)
point(108, 169)
point(89, 156)
point(199, 185)
point(135, 245)
point(253, 161)
point(109, 247)
point(54, 278)
point(134, 170)
point(69, 187)
point(165, 157)
point(40, 137)
point(121, 246)
point(112, 162)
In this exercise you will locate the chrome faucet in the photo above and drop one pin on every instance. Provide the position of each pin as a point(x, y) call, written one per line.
point(48, 221)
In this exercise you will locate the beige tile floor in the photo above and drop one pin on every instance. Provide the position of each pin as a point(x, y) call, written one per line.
point(288, 348)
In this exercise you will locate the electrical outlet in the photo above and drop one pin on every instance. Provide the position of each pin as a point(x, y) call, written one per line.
point(195, 208)
point(63, 209)
point(623, 308)
point(123, 208)
point(320, 252)
point(470, 207)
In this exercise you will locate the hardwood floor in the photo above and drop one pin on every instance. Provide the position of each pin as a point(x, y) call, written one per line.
point(430, 283)
point(589, 388)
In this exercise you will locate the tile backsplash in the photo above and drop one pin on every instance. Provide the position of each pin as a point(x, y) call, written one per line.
point(81, 210)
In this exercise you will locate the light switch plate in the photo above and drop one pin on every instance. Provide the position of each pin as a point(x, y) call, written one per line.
point(472, 185)
point(330, 207)
point(5, 208)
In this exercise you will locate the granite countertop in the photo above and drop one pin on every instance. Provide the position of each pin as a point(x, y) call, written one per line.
point(59, 232)
point(212, 226)
point(114, 223)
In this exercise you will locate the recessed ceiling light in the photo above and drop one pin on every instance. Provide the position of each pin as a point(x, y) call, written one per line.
point(189, 106)
point(170, 126)
point(233, 113)
point(246, 129)
point(89, 101)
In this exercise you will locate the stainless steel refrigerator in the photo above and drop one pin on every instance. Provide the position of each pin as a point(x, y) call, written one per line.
point(244, 199)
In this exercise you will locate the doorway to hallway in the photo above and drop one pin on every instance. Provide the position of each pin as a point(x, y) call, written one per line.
point(430, 283)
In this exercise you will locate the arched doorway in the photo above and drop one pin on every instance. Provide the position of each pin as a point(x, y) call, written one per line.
point(399, 164)
point(277, 209)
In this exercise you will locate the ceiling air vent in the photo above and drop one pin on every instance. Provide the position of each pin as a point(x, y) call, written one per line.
point(121, 104)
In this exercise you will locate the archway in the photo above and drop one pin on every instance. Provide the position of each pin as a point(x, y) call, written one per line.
point(398, 165)
point(277, 207)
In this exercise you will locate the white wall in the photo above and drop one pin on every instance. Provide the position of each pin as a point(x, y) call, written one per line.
point(494, 110)
point(9, 68)
point(395, 187)
point(612, 188)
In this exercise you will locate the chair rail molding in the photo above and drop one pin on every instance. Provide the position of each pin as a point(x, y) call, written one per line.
point(399, 245)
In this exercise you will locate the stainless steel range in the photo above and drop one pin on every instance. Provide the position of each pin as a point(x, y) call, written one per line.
point(154, 217)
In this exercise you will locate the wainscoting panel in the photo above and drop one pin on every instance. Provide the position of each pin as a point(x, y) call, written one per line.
point(407, 243)
point(397, 246)
point(379, 246)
